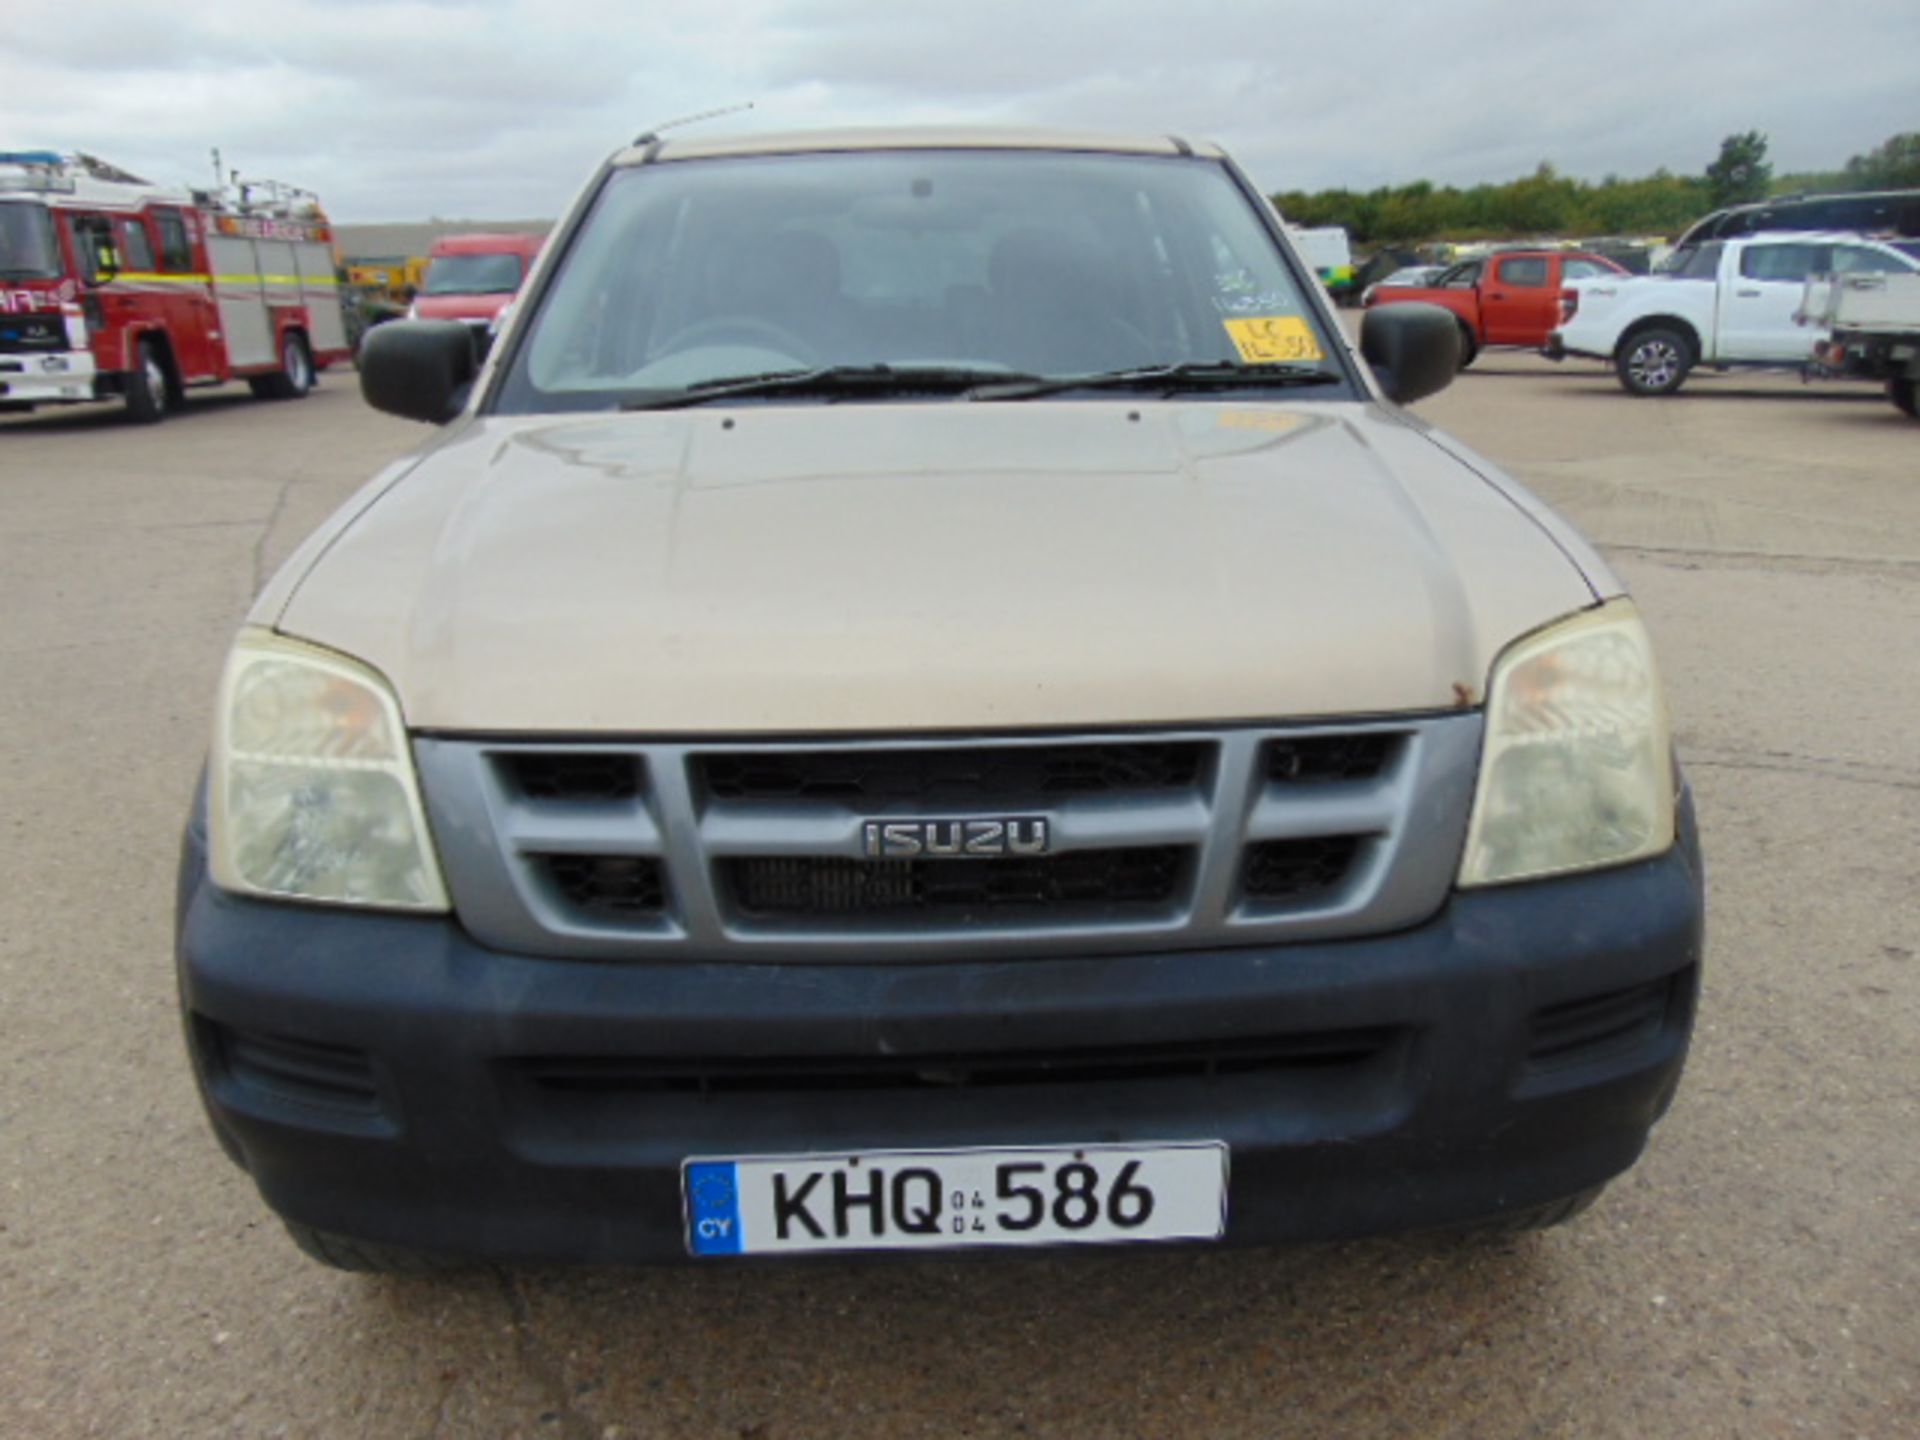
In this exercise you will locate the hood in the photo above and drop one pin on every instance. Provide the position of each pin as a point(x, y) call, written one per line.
point(459, 307)
point(859, 567)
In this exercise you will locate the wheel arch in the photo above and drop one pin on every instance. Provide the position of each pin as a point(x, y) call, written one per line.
point(169, 358)
point(162, 343)
point(1687, 330)
point(291, 322)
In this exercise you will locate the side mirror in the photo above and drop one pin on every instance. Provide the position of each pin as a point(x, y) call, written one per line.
point(419, 369)
point(1414, 349)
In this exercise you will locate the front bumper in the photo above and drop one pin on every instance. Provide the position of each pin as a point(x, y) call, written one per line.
point(386, 1078)
point(25, 378)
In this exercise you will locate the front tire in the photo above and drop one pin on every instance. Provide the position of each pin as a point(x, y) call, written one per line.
point(1654, 361)
point(1905, 395)
point(148, 391)
point(1539, 1217)
point(295, 376)
point(363, 1257)
point(1469, 347)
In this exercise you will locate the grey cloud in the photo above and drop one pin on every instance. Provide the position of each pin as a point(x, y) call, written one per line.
point(499, 109)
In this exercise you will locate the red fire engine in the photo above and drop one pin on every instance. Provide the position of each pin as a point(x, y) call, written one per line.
point(110, 286)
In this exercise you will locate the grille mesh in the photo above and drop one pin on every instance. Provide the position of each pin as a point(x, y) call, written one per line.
point(832, 886)
point(608, 885)
point(1299, 870)
point(573, 775)
point(963, 775)
point(1310, 758)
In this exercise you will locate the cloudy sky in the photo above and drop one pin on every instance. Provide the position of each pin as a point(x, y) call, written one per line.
point(497, 109)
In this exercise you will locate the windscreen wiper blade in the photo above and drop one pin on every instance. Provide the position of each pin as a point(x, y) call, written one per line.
point(1187, 375)
point(830, 380)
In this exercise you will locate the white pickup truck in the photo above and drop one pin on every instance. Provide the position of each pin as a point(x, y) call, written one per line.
point(1867, 327)
point(1724, 303)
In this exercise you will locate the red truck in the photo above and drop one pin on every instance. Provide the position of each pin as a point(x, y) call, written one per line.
point(1509, 298)
point(111, 286)
point(473, 277)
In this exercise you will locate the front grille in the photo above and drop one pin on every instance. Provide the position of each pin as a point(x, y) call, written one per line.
point(32, 332)
point(619, 1077)
point(963, 775)
point(757, 850)
point(607, 886)
point(1299, 870)
point(834, 886)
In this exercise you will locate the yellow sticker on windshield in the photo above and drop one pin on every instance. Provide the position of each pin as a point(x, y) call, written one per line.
point(1273, 339)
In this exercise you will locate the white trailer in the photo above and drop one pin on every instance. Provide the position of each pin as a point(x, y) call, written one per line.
point(1873, 331)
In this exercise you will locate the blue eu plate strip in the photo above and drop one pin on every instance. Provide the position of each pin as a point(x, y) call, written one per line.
point(713, 1208)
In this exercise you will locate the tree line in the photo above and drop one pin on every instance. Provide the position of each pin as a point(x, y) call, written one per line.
point(1549, 203)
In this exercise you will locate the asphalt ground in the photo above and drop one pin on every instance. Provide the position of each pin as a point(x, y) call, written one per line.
point(1756, 1275)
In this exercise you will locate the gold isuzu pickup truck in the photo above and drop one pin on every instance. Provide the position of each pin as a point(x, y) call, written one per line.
point(923, 696)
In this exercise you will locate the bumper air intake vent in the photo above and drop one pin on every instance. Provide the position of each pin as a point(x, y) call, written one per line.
point(1620, 1021)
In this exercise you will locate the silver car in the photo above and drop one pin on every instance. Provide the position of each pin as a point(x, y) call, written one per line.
point(924, 697)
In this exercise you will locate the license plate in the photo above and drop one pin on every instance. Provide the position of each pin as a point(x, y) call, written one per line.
point(956, 1199)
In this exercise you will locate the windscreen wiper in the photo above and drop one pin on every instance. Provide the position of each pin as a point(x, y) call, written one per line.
point(1187, 375)
point(832, 380)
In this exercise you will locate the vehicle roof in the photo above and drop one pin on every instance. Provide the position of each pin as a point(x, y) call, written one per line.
point(1808, 197)
point(919, 137)
point(1800, 237)
point(1528, 252)
point(488, 243)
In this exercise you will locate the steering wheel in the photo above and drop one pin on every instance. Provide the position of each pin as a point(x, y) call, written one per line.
point(739, 327)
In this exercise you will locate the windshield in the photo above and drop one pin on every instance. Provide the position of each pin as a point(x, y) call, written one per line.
point(1006, 262)
point(1695, 262)
point(28, 250)
point(495, 274)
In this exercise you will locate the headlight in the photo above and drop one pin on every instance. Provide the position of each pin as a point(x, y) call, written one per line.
point(1576, 769)
point(311, 789)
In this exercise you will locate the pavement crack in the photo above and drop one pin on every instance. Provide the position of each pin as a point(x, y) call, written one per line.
point(443, 1402)
point(266, 532)
point(1850, 772)
point(540, 1365)
point(1771, 559)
